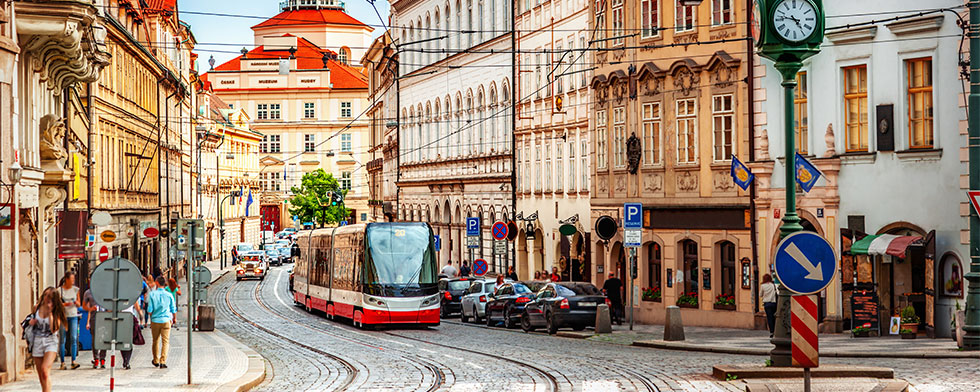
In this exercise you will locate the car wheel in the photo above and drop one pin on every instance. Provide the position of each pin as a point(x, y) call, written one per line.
point(526, 323)
point(490, 322)
point(509, 321)
point(551, 325)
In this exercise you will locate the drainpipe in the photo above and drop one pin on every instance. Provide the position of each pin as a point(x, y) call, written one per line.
point(753, 236)
point(972, 328)
point(513, 126)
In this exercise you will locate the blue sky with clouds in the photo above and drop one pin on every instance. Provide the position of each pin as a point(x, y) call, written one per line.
point(223, 27)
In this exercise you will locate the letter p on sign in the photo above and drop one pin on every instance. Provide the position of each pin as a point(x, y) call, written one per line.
point(633, 216)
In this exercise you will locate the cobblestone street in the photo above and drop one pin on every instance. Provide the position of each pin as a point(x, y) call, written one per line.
point(309, 352)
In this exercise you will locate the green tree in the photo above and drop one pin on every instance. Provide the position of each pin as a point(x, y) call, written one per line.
point(311, 201)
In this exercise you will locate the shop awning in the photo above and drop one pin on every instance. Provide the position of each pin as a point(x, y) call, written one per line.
point(884, 244)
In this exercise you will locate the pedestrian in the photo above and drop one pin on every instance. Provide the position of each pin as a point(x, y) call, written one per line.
point(163, 313)
point(449, 271)
point(90, 306)
point(148, 286)
point(70, 299)
point(767, 292)
point(537, 275)
point(511, 274)
point(465, 270)
point(134, 310)
point(500, 282)
point(614, 291)
point(174, 289)
point(41, 329)
point(555, 277)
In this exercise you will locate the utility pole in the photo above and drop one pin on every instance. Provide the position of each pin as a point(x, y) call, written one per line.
point(972, 323)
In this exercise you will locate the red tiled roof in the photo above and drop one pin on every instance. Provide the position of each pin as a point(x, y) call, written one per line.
point(309, 17)
point(308, 56)
point(160, 5)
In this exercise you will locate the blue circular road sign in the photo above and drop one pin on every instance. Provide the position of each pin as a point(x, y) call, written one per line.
point(805, 262)
point(480, 267)
point(499, 230)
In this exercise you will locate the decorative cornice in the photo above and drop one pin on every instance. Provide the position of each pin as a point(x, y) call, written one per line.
point(66, 39)
point(863, 34)
point(916, 25)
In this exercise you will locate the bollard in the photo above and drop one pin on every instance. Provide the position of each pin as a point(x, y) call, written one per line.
point(603, 324)
point(674, 328)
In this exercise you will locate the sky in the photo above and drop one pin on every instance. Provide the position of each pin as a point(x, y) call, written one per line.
point(224, 35)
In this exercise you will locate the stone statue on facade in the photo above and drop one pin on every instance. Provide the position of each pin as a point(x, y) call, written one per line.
point(633, 152)
point(829, 139)
point(764, 145)
point(52, 138)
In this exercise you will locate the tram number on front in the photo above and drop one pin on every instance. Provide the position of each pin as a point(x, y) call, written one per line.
point(399, 233)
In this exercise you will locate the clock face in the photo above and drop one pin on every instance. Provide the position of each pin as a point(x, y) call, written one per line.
point(794, 20)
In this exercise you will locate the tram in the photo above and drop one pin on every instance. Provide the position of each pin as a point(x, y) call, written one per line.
point(374, 274)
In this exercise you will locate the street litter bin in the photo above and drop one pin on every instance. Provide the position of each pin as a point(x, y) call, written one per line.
point(205, 318)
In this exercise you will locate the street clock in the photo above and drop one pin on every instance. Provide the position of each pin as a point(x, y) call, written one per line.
point(787, 31)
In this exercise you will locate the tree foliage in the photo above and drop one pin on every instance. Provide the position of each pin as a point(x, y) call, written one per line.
point(311, 200)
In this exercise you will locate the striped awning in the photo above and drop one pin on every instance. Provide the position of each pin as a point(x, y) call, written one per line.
point(884, 244)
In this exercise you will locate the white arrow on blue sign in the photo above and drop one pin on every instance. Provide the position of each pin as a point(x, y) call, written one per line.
point(633, 216)
point(473, 227)
point(805, 262)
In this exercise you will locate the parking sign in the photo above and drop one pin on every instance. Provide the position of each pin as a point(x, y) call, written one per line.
point(473, 227)
point(632, 216)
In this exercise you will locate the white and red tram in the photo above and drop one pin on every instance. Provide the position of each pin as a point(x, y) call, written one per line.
point(373, 274)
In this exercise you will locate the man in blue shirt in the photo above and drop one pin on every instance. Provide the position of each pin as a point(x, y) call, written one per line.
point(163, 313)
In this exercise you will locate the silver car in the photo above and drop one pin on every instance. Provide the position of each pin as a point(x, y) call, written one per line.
point(474, 301)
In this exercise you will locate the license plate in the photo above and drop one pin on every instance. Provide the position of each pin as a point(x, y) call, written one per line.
point(586, 304)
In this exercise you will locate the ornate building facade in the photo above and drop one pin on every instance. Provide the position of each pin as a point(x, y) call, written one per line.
point(380, 64)
point(683, 103)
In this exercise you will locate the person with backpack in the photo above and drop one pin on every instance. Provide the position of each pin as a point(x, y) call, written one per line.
point(88, 303)
point(41, 330)
point(465, 270)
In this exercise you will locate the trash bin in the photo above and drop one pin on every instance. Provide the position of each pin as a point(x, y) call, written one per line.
point(205, 318)
point(84, 335)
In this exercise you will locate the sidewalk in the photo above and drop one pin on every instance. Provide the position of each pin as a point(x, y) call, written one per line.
point(750, 342)
point(220, 363)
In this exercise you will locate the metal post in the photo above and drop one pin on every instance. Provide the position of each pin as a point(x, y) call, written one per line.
point(781, 354)
point(806, 379)
point(190, 295)
point(972, 323)
point(632, 283)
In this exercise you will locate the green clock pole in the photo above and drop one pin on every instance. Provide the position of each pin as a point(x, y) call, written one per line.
point(971, 341)
point(781, 354)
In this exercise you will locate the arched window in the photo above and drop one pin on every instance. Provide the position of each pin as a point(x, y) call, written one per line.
point(726, 259)
point(428, 44)
point(447, 119)
point(493, 18)
point(469, 23)
point(343, 55)
point(654, 265)
point(459, 25)
point(481, 137)
point(403, 59)
point(493, 121)
point(457, 130)
point(448, 27)
point(689, 250)
point(436, 128)
point(409, 54)
point(469, 123)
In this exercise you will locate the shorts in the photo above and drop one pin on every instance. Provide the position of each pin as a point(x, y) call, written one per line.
point(44, 344)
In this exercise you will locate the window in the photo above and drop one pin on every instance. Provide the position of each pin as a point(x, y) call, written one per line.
point(559, 87)
point(345, 109)
point(600, 22)
point(309, 143)
point(721, 12)
point(343, 55)
point(537, 169)
point(920, 102)
point(687, 129)
point(600, 141)
point(538, 74)
point(651, 133)
point(726, 253)
point(618, 22)
point(856, 107)
point(275, 111)
point(650, 18)
point(548, 175)
point(685, 17)
point(801, 119)
point(264, 145)
point(571, 166)
point(584, 169)
point(583, 60)
point(690, 271)
point(274, 145)
point(559, 165)
point(722, 116)
point(654, 262)
point(276, 181)
point(345, 180)
point(517, 169)
point(263, 182)
point(262, 111)
point(309, 110)
point(572, 54)
point(345, 142)
point(619, 136)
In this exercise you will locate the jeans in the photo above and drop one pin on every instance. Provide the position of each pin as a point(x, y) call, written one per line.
point(70, 338)
point(770, 308)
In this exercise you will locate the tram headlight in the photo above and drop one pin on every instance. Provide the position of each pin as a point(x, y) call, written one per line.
point(432, 300)
point(375, 301)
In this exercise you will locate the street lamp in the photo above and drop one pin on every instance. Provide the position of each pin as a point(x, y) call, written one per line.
point(221, 222)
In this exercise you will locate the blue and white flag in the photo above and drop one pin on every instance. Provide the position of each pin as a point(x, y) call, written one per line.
point(248, 203)
point(741, 174)
point(806, 174)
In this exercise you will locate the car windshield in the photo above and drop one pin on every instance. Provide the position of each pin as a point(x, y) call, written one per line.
point(455, 285)
point(272, 252)
point(535, 285)
point(400, 254)
point(521, 289)
point(244, 247)
point(572, 289)
point(284, 251)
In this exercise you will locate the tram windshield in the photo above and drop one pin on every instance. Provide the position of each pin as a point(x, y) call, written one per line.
point(401, 258)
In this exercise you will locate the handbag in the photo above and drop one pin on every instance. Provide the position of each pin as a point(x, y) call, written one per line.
point(137, 333)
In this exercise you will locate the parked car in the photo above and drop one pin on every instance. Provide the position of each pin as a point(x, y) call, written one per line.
point(272, 256)
point(474, 299)
point(252, 264)
point(285, 254)
point(507, 304)
point(561, 305)
point(451, 292)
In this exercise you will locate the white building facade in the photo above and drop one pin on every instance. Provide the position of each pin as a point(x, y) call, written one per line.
point(455, 130)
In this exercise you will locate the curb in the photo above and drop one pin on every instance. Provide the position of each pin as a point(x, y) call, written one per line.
point(253, 376)
point(827, 354)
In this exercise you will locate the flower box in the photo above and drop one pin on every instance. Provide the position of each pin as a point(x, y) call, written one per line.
point(658, 299)
point(724, 307)
point(690, 306)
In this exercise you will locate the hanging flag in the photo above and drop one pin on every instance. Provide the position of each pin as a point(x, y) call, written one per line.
point(741, 174)
point(806, 174)
point(248, 203)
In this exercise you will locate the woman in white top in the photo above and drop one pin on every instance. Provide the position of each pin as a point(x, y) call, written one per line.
point(41, 333)
point(70, 299)
point(767, 293)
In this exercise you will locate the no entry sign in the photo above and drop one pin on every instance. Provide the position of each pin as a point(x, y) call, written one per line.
point(104, 253)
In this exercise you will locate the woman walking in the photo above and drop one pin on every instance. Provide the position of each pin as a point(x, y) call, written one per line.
point(174, 289)
point(767, 292)
point(41, 331)
point(70, 299)
point(137, 330)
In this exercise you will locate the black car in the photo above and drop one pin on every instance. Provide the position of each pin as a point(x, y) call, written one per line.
point(452, 290)
point(563, 304)
point(508, 303)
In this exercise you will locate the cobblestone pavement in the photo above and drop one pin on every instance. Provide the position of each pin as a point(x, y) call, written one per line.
point(307, 352)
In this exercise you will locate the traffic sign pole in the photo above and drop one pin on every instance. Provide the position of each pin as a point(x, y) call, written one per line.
point(805, 350)
point(190, 295)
